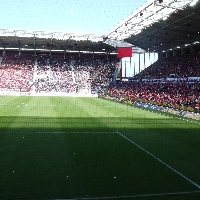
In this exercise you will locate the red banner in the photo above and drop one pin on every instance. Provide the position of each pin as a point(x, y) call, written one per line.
point(124, 52)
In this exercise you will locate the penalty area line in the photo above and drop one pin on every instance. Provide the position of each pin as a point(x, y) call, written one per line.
point(174, 170)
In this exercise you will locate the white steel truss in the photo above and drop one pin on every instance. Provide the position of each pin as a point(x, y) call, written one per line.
point(150, 12)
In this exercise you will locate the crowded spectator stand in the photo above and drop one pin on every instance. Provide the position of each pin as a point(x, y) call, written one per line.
point(44, 73)
point(16, 73)
point(173, 82)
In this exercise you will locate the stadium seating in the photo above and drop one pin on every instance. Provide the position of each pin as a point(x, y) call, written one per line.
point(172, 93)
point(182, 66)
point(153, 85)
point(45, 73)
point(16, 72)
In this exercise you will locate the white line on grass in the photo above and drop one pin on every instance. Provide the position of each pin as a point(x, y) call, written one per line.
point(50, 132)
point(160, 160)
point(137, 196)
point(73, 132)
point(94, 132)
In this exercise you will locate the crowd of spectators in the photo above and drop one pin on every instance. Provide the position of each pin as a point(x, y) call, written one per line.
point(183, 66)
point(16, 72)
point(53, 74)
point(44, 73)
point(74, 75)
point(94, 73)
point(152, 85)
point(169, 92)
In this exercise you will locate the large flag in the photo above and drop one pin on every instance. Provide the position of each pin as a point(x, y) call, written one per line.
point(124, 52)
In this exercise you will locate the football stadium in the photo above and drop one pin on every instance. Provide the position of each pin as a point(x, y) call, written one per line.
point(112, 115)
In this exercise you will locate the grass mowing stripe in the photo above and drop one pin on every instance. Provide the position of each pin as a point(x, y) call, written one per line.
point(75, 156)
point(195, 184)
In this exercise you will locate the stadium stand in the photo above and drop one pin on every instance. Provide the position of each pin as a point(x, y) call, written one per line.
point(16, 73)
point(155, 85)
point(183, 66)
point(45, 74)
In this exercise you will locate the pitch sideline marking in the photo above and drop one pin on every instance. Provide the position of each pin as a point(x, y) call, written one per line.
point(73, 132)
point(93, 132)
point(136, 196)
point(49, 132)
point(160, 160)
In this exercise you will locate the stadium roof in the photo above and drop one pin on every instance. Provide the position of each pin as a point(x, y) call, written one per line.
point(160, 25)
point(156, 26)
point(52, 41)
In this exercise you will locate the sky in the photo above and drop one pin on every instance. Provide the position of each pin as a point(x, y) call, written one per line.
point(77, 16)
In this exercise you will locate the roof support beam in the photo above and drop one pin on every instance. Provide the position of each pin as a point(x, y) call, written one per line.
point(19, 45)
point(34, 43)
point(4, 51)
point(51, 45)
point(66, 46)
point(2, 43)
point(100, 46)
point(83, 46)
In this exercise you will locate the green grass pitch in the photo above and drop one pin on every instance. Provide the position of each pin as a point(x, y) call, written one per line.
point(90, 148)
